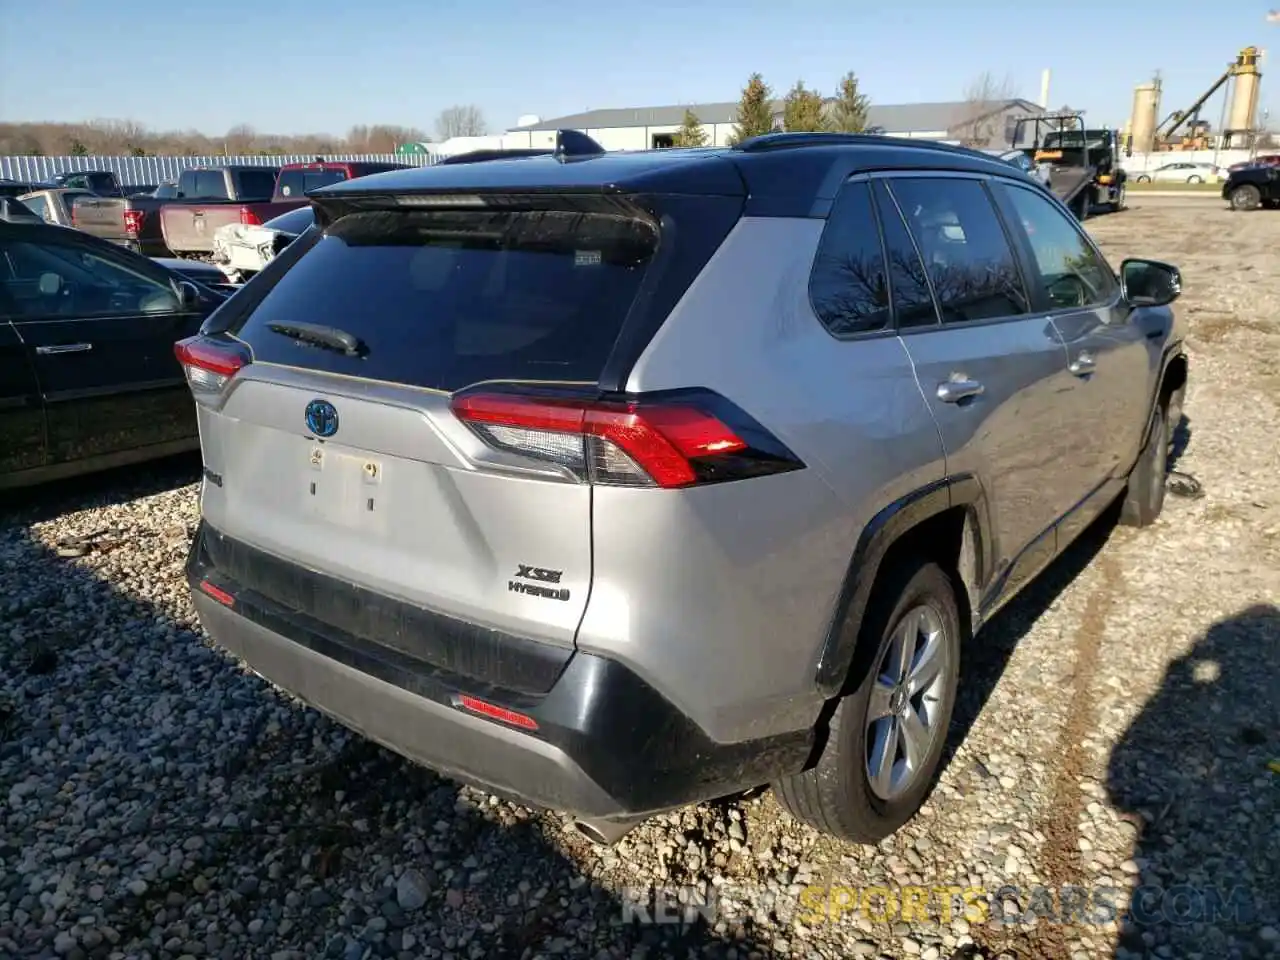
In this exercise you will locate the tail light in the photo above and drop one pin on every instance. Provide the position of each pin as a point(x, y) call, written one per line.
point(133, 222)
point(209, 364)
point(673, 440)
point(249, 218)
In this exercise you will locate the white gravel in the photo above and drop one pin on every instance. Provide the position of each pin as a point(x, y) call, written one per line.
point(1114, 732)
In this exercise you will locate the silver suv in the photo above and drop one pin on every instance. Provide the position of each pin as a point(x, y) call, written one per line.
point(618, 482)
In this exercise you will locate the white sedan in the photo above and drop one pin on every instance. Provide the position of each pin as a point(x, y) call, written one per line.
point(1183, 171)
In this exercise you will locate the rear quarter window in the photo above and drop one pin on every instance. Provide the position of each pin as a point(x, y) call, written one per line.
point(444, 299)
point(849, 286)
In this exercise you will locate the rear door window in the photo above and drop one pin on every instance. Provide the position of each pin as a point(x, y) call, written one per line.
point(908, 279)
point(444, 299)
point(969, 260)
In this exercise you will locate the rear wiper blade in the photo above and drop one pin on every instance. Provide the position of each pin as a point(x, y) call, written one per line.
point(321, 336)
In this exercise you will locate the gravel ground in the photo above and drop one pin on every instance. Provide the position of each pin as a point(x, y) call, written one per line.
point(1111, 744)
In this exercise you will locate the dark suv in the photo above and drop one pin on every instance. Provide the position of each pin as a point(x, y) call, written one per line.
point(622, 481)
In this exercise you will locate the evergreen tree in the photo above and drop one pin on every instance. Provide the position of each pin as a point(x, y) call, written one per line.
point(690, 133)
point(78, 149)
point(849, 112)
point(802, 110)
point(755, 112)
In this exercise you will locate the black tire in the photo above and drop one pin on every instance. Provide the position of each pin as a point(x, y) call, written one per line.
point(1144, 496)
point(1195, 178)
point(835, 795)
point(1245, 197)
point(1142, 178)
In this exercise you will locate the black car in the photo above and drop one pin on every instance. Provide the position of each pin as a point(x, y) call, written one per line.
point(1249, 188)
point(88, 376)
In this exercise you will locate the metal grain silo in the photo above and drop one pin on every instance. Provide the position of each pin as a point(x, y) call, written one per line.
point(1242, 115)
point(1142, 125)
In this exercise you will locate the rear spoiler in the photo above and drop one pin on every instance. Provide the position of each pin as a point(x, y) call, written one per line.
point(569, 144)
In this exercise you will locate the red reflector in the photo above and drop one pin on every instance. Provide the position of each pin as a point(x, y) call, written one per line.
point(224, 598)
point(198, 352)
point(133, 222)
point(249, 218)
point(661, 438)
point(498, 713)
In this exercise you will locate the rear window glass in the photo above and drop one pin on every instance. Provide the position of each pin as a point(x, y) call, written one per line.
point(443, 299)
point(256, 184)
point(296, 183)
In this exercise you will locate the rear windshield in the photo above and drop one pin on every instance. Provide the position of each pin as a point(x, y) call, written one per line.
point(296, 183)
point(256, 184)
point(443, 299)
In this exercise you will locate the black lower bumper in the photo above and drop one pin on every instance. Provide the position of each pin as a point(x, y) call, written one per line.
point(606, 743)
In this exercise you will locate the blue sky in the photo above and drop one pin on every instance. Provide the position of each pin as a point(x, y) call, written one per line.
point(294, 66)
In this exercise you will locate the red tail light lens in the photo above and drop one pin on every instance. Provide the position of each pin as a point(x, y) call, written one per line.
point(133, 222)
point(209, 364)
point(249, 218)
point(673, 441)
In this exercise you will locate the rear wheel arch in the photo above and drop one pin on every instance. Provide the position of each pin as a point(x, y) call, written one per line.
point(946, 522)
point(1173, 381)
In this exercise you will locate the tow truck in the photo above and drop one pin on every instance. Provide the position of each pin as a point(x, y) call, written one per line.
point(1083, 164)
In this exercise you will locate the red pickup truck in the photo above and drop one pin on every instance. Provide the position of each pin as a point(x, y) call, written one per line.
point(212, 197)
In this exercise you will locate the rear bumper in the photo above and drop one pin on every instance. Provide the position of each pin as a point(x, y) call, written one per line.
point(606, 744)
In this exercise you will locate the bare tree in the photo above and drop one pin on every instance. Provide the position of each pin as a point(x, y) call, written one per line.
point(461, 121)
point(240, 140)
point(109, 137)
point(981, 118)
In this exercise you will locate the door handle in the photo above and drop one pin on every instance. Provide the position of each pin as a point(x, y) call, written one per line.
point(953, 391)
point(1082, 365)
point(65, 348)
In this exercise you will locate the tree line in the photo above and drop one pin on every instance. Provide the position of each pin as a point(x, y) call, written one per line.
point(129, 138)
point(803, 109)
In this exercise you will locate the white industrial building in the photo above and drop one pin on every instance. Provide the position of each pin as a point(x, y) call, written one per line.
point(644, 128)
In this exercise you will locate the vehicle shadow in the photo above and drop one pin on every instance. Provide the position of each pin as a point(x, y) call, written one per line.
point(164, 801)
point(986, 655)
point(1181, 440)
point(48, 500)
point(1192, 774)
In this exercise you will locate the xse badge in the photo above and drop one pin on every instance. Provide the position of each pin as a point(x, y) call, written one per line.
point(529, 580)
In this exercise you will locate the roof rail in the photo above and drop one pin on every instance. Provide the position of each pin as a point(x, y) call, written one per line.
point(787, 141)
point(569, 144)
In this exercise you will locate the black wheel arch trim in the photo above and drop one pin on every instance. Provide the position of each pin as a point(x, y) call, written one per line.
point(885, 529)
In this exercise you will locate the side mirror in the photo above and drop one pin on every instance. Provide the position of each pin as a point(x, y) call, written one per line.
point(188, 295)
point(1150, 283)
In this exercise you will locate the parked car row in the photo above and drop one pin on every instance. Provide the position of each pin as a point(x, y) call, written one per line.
point(180, 219)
